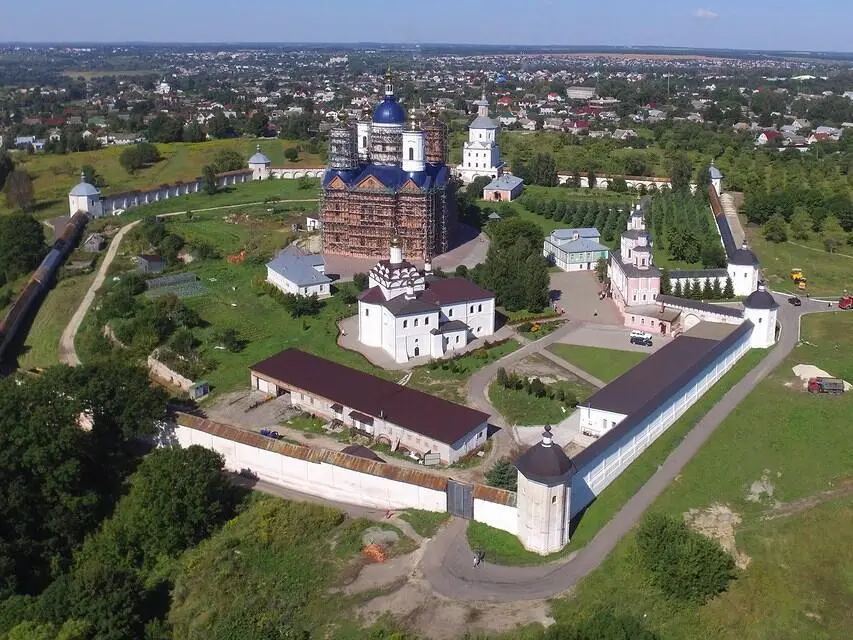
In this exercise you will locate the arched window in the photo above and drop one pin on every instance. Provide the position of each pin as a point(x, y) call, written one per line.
point(411, 153)
point(364, 141)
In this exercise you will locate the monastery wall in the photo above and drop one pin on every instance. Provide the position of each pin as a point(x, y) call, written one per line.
point(595, 475)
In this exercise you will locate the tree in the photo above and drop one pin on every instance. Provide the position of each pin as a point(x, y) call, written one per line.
point(164, 128)
point(139, 156)
point(677, 290)
point(475, 188)
point(708, 289)
point(211, 182)
point(228, 160)
point(291, 154)
point(111, 600)
point(537, 283)
point(686, 290)
point(776, 229)
point(714, 256)
point(801, 223)
point(22, 245)
point(194, 132)
point(461, 271)
point(19, 190)
point(696, 289)
point(590, 178)
point(257, 124)
point(832, 234)
point(503, 474)
point(7, 166)
point(716, 289)
point(682, 563)
point(220, 126)
point(601, 269)
point(91, 176)
point(360, 280)
point(680, 173)
point(665, 283)
point(729, 289)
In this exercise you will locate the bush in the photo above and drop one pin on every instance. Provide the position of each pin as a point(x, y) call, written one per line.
point(503, 475)
point(361, 281)
point(682, 563)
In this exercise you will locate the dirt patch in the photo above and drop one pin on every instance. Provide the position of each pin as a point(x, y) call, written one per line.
point(438, 618)
point(537, 366)
point(718, 522)
point(841, 490)
point(807, 371)
point(762, 489)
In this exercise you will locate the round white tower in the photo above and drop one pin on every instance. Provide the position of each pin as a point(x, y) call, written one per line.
point(396, 253)
point(85, 197)
point(414, 148)
point(743, 270)
point(544, 496)
point(260, 165)
point(363, 134)
point(761, 309)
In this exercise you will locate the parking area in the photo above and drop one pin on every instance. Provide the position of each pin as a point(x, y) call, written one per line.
point(610, 337)
point(577, 293)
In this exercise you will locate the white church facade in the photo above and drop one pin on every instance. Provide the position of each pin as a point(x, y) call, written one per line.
point(410, 314)
point(481, 155)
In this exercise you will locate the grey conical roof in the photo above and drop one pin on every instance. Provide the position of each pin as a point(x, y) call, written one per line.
point(545, 462)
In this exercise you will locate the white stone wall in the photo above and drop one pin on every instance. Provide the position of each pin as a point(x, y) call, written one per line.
point(123, 201)
point(594, 477)
point(499, 516)
point(323, 480)
point(595, 422)
point(482, 317)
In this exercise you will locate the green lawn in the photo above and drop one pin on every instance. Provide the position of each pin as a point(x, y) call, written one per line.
point(524, 409)
point(448, 378)
point(798, 582)
point(604, 364)
point(827, 274)
point(41, 348)
point(55, 175)
point(425, 523)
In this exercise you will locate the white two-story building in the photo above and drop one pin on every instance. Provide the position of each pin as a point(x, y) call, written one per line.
point(409, 314)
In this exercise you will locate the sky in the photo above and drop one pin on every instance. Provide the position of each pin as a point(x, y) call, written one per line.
point(817, 25)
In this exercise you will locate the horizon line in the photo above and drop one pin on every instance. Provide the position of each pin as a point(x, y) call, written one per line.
point(596, 48)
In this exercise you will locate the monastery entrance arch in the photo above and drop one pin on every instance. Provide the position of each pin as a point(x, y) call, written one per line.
point(690, 321)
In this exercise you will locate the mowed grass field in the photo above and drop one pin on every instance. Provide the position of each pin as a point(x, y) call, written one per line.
point(604, 364)
point(827, 274)
point(54, 175)
point(780, 440)
point(41, 348)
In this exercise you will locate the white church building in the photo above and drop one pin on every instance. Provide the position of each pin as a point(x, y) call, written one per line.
point(85, 197)
point(481, 155)
point(410, 314)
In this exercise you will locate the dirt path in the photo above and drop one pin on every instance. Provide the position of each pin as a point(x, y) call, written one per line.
point(67, 352)
point(786, 509)
point(802, 246)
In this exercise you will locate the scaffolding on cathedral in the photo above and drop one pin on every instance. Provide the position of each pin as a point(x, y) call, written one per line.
point(343, 146)
point(435, 133)
point(386, 146)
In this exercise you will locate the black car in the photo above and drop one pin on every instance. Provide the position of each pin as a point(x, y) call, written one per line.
point(643, 342)
point(794, 300)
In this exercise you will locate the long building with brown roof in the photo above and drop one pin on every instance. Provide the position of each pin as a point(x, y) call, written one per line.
point(401, 417)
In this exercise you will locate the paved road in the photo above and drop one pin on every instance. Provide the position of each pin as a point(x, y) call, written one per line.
point(447, 560)
point(67, 352)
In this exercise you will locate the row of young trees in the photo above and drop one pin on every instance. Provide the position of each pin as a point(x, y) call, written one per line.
point(534, 387)
point(608, 218)
point(682, 225)
point(707, 289)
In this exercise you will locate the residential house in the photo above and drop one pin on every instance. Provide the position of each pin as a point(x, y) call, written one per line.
point(575, 249)
point(767, 136)
point(505, 188)
point(624, 134)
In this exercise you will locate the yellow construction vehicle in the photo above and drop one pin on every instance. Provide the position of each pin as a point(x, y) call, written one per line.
point(801, 284)
point(796, 274)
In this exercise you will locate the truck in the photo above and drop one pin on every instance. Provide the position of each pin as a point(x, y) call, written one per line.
point(846, 302)
point(826, 385)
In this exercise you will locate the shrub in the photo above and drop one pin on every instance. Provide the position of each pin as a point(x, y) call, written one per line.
point(682, 563)
point(503, 475)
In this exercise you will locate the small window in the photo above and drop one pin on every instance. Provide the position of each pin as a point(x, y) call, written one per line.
point(411, 153)
point(553, 499)
point(367, 312)
point(479, 307)
point(450, 313)
point(426, 320)
point(416, 322)
point(405, 323)
point(472, 308)
point(457, 339)
point(364, 141)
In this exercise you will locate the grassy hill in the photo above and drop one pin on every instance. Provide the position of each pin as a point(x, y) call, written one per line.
point(54, 175)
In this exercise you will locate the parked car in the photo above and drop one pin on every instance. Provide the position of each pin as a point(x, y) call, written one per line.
point(794, 300)
point(643, 340)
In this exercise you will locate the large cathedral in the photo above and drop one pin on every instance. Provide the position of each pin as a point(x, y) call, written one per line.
point(387, 179)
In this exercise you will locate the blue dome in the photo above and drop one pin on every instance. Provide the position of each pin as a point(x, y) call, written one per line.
point(389, 111)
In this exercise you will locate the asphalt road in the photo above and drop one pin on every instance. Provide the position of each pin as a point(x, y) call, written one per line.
point(447, 560)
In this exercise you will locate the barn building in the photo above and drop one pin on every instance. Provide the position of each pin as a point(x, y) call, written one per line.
point(405, 419)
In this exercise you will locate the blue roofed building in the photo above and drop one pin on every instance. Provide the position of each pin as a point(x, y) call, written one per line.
point(299, 273)
point(387, 179)
point(505, 188)
point(575, 249)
